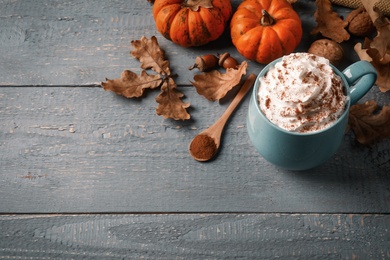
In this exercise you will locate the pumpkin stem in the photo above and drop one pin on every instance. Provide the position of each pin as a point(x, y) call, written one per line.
point(266, 19)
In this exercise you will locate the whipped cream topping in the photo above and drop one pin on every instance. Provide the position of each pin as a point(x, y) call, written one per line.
point(301, 93)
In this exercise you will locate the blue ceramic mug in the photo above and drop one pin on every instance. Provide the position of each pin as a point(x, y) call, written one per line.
point(300, 151)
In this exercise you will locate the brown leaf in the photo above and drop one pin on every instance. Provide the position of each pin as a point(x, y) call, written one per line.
point(362, 52)
point(214, 85)
point(151, 56)
point(368, 125)
point(382, 65)
point(382, 41)
point(170, 103)
point(194, 5)
point(377, 51)
point(131, 85)
point(329, 24)
point(370, 8)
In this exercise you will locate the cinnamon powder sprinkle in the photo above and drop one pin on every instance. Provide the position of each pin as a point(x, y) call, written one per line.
point(203, 147)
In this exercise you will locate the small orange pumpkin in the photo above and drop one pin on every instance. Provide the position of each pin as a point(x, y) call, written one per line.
point(191, 22)
point(264, 30)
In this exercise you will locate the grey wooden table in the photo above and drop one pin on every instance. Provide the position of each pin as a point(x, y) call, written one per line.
point(85, 173)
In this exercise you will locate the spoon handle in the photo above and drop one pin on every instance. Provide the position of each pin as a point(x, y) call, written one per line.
point(237, 99)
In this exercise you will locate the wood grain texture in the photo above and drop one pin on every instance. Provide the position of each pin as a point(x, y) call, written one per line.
point(196, 236)
point(83, 149)
point(67, 146)
point(52, 42)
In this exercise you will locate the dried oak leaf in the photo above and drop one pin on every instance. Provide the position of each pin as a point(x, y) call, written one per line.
point(368, 125)
point(194, 5)
point(329, 23)
point(131, 85)
point(381, 64)
point(214, 85)
point(370, 7)
point(382, 24)
point(169, 102)
point(382, 41)
point(151, 56)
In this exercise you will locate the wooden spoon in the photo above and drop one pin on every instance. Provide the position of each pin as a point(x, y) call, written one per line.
point(211, 137)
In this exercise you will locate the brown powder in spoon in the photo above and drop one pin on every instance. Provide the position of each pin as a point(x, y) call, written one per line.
point(203, 147)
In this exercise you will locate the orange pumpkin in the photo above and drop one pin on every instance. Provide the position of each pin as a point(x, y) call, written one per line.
point(191, 22)
point(264, 30)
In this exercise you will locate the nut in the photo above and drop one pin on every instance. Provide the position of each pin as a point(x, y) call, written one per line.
point(227, 62)
point(205, 63)
point(359, 22)
point(328, 49)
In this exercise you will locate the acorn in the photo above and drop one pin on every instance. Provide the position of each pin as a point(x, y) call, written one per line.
point(226, 61)
point(205, 63)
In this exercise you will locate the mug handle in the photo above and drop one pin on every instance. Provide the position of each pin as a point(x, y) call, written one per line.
point(361, 76)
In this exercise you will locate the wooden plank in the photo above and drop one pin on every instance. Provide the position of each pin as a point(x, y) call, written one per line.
point(196, 236)
point(84, 42)
point(82, 149)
